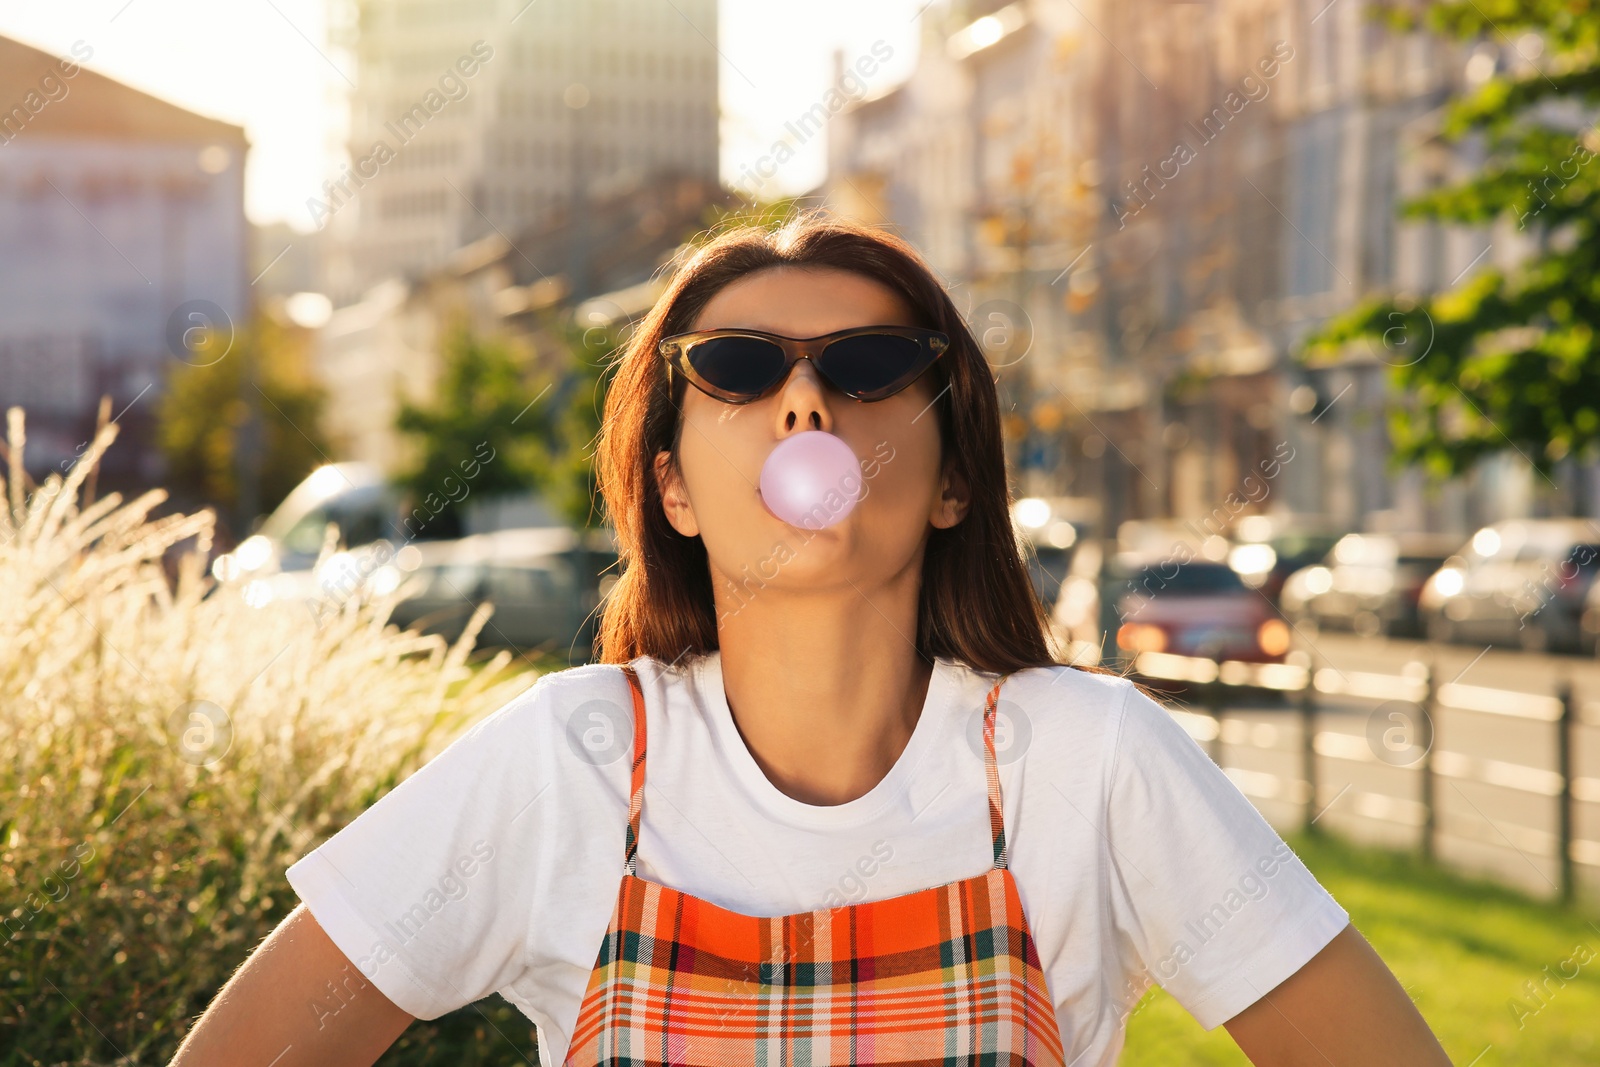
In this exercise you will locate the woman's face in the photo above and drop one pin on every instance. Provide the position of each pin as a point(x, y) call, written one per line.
point(714, 492)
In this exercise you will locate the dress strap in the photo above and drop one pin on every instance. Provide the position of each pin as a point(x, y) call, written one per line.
point(636, 796)
point(996, 821)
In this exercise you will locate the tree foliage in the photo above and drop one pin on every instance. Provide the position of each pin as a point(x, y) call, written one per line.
point(565, 464)
point(482, 434)
point(205, 413)
point(1508, 357)
point(768, 214)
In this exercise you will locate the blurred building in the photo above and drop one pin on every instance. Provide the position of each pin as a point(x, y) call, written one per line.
point(387, 345)
point(122, 220)
point(476, 117)
point(284, 261)
point(1143, 206)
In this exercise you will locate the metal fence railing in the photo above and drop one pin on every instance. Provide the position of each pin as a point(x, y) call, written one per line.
point(1410, 718)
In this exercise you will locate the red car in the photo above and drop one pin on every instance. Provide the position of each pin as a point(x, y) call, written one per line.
point(1198, 608)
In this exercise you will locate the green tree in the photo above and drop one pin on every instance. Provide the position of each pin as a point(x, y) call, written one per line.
point(1508, 358)
point(208, 405)
point(768, 214)
point(485, 433)
point(565, 462)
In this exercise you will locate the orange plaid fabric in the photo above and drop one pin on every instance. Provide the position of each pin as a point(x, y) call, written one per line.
point(944, 975)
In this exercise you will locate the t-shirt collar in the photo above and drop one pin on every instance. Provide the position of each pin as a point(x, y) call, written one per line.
point(707, 678)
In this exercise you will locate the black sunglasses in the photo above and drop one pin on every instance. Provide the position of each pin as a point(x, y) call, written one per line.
point(865, 363)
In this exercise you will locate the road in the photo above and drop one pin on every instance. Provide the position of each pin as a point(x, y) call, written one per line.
point(1496, 790)
point(1501, 668)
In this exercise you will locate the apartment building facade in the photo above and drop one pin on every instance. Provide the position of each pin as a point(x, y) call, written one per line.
point(475, 117)
point(122, 218)
point(1143, 207)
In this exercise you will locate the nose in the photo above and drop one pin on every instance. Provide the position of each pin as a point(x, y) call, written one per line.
point(803, 401)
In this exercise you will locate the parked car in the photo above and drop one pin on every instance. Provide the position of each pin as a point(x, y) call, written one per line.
point(1269, 548)
point(1049, 530)
point(1521, 582)
point(352, 502)
point(354, 496)
point(1368, 583)
point(1199, 608)
point(545, 584)
point(1182, 605)
point(1589, 621)
point(1075, 616)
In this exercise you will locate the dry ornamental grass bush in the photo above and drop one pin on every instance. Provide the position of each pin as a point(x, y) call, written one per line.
point(168, 750)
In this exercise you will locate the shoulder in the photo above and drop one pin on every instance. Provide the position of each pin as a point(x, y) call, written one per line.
point(1086, 730)
point(583, 680)
point(1104, 699)
point(592, 704)
point(1056, 725)
point(1069, 688)
point(553, 700)
point(1066, 705)
point(555, 691)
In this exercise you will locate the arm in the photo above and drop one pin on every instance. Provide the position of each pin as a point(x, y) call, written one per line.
point(1343, 1007)
point(297, 1000)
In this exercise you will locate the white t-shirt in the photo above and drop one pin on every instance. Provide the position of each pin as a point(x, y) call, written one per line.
point(495, 866)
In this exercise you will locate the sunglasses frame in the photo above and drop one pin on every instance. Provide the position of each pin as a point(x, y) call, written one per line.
point(675, 350)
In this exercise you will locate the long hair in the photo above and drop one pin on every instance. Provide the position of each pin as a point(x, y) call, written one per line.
point(977, 602)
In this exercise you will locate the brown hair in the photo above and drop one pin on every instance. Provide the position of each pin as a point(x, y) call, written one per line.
point(977, 603)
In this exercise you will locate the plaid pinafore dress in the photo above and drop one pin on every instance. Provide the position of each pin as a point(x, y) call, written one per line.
point(944, 975)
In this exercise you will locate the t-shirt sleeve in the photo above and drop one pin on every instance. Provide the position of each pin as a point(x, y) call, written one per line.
point(428, 890)
point(1205, 897)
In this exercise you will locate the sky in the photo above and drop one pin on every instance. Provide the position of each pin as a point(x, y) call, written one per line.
point(268, 65)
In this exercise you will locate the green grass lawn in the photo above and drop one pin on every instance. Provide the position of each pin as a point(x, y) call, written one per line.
point(1464, 950)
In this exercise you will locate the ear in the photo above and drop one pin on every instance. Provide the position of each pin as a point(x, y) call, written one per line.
point(674, 497)
point(955, 497)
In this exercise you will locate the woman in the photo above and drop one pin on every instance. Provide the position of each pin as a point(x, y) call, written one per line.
point(880, 822)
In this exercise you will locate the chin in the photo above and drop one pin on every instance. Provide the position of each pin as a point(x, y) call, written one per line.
point(795, 558)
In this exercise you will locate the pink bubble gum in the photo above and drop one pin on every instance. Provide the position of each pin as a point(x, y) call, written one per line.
point(811, 480)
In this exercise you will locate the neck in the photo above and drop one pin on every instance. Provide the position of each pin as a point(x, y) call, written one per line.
point(824, 687)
